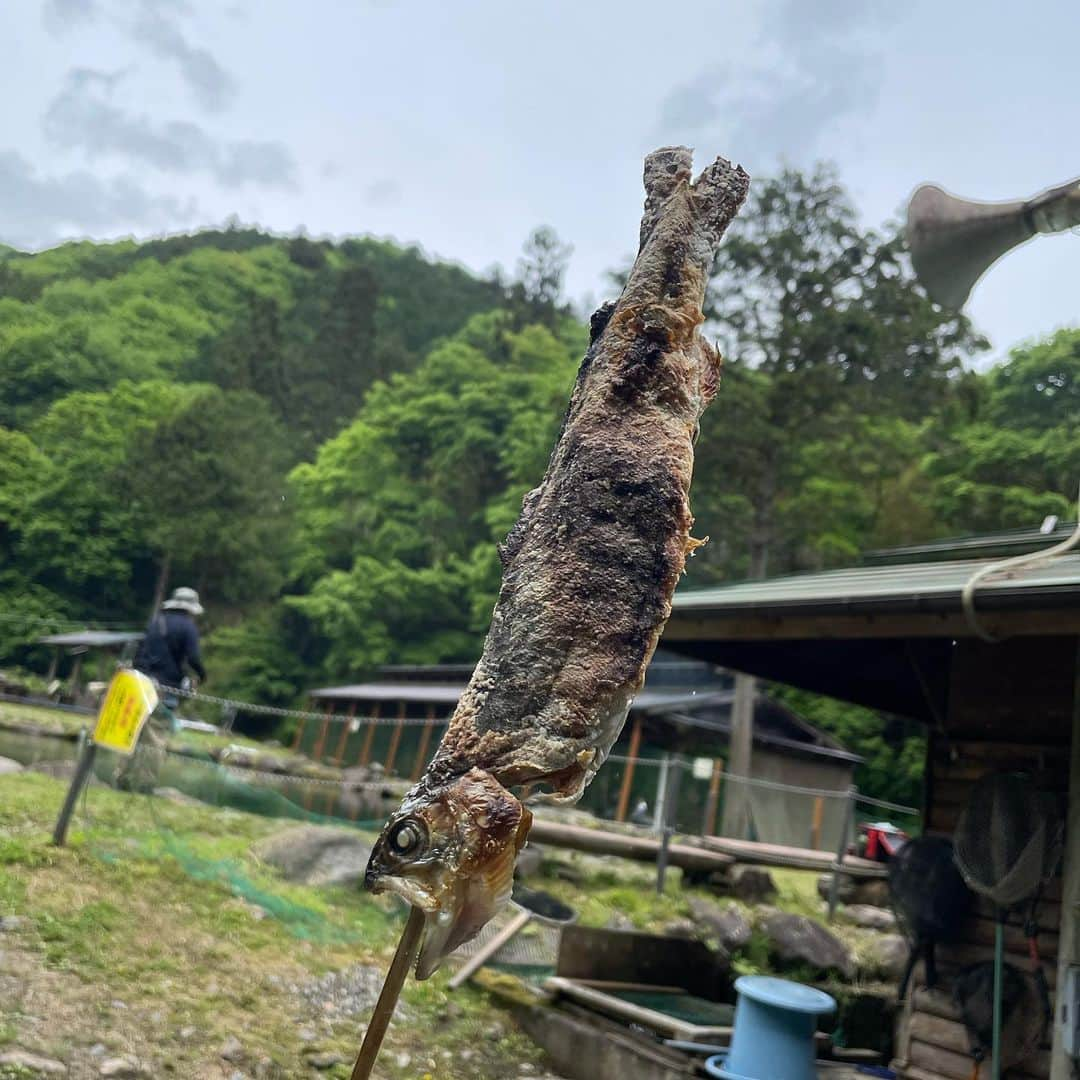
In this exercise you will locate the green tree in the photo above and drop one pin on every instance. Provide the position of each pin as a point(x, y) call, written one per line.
point(829, 318)
point(399, 515)
point(1014, 457)
point(207, 484)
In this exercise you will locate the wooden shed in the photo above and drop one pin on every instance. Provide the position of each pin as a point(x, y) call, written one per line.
point(892, 634)
point(683, 712)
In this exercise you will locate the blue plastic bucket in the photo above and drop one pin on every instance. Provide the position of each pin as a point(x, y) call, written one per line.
point(773, 1036)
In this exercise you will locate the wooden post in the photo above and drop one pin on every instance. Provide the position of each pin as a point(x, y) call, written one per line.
point(298, 738)
point(425, 738)
point(343, 738)
point(54, 665)
point(369, 735)
point(395, 739)
point(82, 772)
point(712, 800)
point(1061, 1067)
point(736, 795)
point(73, 678)
point(628, 774)
point(320, 743)
point(815, 826)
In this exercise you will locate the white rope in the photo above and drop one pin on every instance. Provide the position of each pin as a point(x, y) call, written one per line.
point(1017, 562)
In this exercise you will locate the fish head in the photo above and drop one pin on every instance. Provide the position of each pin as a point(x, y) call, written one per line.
point(450, 851)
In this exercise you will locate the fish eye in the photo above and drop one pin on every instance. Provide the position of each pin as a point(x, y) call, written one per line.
point(406, 838)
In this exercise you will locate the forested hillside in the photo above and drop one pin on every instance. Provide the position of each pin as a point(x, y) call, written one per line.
point(328, 440)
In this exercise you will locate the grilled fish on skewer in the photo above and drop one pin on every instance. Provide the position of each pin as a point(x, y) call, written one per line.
point(588, 574)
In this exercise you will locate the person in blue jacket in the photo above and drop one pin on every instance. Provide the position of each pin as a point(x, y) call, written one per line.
point(168, 649)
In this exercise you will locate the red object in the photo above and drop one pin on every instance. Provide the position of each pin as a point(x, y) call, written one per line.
point(883, 842)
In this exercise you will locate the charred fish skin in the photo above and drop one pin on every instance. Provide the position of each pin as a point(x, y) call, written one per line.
point(588, 575)
point(591, 565)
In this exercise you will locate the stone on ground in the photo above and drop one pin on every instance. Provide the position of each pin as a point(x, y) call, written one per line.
point(869, 918)
point(33, 1064)
point(317, 855)
point(122, 1068)
point(795, 939)
point(9, 765)
point(888, 956)
point(874, 893)
point(751, 884)
point(728, 925)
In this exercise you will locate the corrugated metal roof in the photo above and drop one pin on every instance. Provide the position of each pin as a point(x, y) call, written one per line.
point(930, 587)
point(92, 638)
point(992, 545)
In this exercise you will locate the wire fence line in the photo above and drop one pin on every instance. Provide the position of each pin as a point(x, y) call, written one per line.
point(301, 714)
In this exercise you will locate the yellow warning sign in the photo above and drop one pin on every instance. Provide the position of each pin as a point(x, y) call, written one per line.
point(130, 699)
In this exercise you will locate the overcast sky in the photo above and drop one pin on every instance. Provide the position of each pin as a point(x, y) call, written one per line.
point(462, 125)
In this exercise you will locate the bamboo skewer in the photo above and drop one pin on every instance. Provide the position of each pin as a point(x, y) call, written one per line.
point(404, 959)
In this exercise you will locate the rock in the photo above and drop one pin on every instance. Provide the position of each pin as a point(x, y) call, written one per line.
point(403, 1060)
point(98, 1050)
point(529, 861)
point(9, 765)
point(618, 921)
point(795, 939)
point(869, 918)
point(845, 892)
point(317, 855)
point(232, 1050)
point(32, 1063)
point(751, 884)
point(186, 1034)
point(122, 1068)
point(888, 957)
point(874, 893)
point(681, 928)
point(10, 923)
point(325, 1060)
point(728, 924)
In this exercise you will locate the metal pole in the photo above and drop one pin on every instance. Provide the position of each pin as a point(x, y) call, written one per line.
point(660, 809)
point(845, 829)
point(78, 781)
point(671, 810)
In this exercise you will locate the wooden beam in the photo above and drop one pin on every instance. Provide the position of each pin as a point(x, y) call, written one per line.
point(690, 626)
point(395, 739)
point(324, 727)
point(815, 825)
point(628, 772)
point(343, 738)
point(712, 801)
point(422, 749)
point(638, 848)
point(369, 735)
point(298, 738)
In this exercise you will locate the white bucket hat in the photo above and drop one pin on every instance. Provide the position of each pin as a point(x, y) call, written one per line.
point(184, 599)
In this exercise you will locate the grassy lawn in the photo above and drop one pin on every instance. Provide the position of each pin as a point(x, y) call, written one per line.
point(134, 940)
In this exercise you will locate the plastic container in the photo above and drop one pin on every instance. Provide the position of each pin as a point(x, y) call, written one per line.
point(773, 1036)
